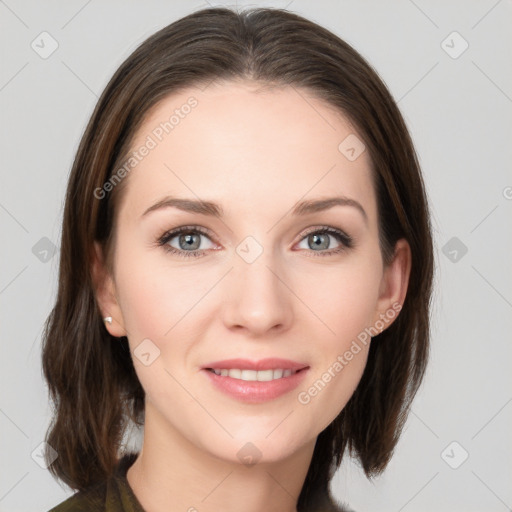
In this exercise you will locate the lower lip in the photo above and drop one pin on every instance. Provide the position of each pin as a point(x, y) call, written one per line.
point(256, 391)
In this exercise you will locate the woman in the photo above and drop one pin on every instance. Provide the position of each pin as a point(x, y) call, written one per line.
point(246, 270)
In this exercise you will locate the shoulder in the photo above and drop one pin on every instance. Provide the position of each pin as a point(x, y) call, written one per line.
point(91, 500)
point(113, 495)
point(335, 506)
point(325, 502)
point(341, 507)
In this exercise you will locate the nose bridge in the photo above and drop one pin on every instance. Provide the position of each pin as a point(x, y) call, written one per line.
point(257, 299)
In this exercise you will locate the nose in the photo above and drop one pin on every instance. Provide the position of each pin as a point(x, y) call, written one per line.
point(257, 298)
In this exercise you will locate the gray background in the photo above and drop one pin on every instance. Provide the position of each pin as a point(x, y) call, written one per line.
point(458, 108)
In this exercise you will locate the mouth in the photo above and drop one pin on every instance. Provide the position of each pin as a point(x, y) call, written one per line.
point(255, 375)
point(263, 370)
point(255, 381)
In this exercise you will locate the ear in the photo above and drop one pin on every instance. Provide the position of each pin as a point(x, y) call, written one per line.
point(105, 292)
point(393, 286)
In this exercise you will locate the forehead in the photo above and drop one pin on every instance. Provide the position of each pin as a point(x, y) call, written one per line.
point(247, 146)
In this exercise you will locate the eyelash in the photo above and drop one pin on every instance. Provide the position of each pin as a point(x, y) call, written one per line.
point(345, 240)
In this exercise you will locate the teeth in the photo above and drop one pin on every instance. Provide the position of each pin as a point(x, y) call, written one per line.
point(253, 375)
point(264, 375)
point(278, 374)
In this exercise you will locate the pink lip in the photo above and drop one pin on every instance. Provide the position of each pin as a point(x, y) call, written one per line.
point(271, 363)
point(255, 391)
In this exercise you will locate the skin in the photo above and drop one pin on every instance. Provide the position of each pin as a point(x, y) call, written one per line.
point(256, 153)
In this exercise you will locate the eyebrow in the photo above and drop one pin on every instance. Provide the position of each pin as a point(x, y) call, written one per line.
point(215, 210)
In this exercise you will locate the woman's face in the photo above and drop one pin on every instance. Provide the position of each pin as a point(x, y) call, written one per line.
point(263, 277)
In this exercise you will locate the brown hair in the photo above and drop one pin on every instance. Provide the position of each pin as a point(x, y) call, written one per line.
point(90, 374)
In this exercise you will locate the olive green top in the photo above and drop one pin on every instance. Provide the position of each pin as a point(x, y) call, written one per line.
point(116, 495)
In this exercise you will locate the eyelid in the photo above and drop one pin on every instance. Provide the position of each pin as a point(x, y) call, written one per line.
point(328, 229)
point(345, 240)
point(171, 233)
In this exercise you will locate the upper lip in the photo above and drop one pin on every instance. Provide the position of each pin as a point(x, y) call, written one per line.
point(271, 363)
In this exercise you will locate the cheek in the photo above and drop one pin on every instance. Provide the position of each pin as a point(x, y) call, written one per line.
point(337, 372)
point(155, 296)
point(346, 308)
point(343, 297)
point(157, 304)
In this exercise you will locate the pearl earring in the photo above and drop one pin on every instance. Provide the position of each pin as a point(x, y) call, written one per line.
point(108, 319)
